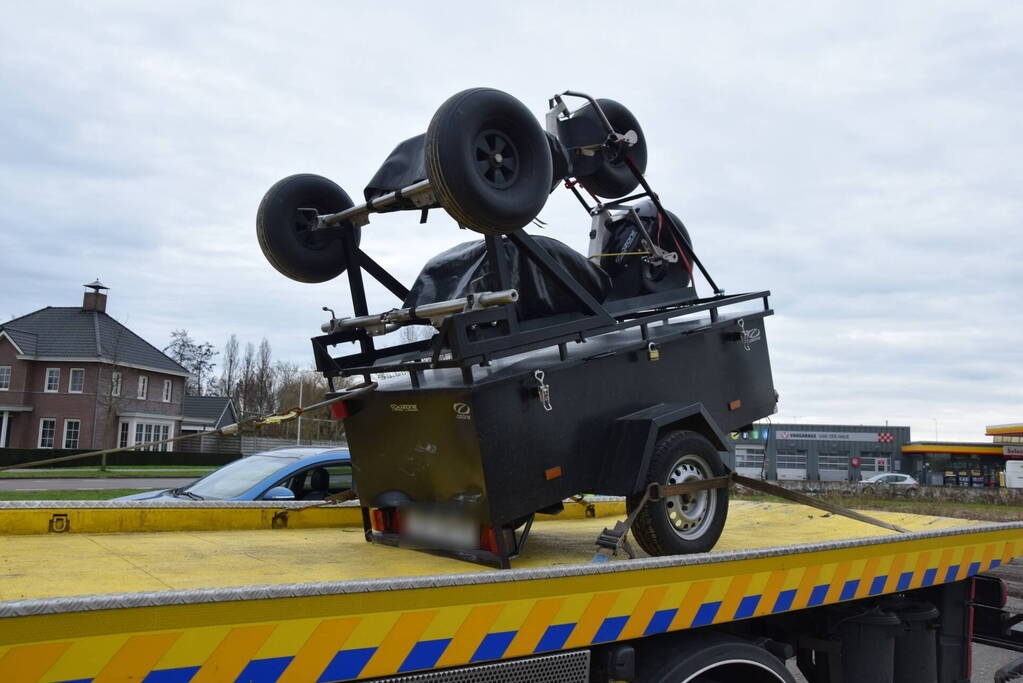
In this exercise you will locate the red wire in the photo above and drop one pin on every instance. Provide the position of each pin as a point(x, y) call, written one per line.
point(570, 183)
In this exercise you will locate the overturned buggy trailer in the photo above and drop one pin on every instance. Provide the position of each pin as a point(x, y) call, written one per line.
point(550, 374)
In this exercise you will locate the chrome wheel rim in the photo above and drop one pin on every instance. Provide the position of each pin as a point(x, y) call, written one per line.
point(689, 515)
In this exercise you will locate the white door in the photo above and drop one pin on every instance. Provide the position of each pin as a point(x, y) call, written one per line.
point(749, 461)
point(792, 465)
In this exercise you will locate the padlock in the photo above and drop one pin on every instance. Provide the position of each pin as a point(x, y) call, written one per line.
point(652, 352)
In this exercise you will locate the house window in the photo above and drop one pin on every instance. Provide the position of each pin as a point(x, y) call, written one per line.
point(122, 437)
point(47, 429)
point(143, 386)
point(146, 432)
point(167, 388)
point(115, 384)
point(52, 380)
point(76, 384)
point(5, 377)
point(72, 429)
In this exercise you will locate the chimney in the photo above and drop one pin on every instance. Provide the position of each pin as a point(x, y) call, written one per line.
point(95, 300)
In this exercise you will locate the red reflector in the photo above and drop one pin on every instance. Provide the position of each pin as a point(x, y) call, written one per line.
point(395, 522)
point(377, 517)
point(488, 539)
point(339, 410)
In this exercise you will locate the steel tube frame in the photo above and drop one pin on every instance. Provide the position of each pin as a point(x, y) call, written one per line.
point(359, 215)
point(427, 311)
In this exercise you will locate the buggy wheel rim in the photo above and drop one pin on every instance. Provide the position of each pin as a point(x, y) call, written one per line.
point(496, 158)
point(689, 515)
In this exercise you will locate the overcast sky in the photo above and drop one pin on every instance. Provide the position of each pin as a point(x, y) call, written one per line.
point(862, 161)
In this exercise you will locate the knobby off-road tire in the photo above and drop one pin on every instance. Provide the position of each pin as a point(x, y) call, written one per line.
point(613, 178)
point(677, 525)
point(286, 237)
point(488, 161)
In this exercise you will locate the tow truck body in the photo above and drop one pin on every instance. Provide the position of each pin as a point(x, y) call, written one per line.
point(289, 592)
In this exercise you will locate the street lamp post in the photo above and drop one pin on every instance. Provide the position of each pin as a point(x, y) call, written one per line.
point(298, 430)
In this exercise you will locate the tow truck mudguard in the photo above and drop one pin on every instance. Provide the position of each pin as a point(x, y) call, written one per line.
point(634, 436)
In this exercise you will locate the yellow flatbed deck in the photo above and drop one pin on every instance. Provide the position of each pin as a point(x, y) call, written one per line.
point(222, 596)
point(94, 563)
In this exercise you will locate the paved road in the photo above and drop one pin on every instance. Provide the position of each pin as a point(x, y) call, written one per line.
point(84, 484)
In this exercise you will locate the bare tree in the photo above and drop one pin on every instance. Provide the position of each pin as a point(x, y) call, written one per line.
point(264, 378)
point(111, 393)
point(230, 369)
point(196, 358)
point(246, 381)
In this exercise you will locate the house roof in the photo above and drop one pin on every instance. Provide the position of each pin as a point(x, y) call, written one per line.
point(216, 411)
point(58, 332)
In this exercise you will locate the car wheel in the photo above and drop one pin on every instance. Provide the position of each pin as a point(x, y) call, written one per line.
point(488, 161)
point(286, 236)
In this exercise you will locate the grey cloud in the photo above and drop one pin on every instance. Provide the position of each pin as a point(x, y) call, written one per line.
point(861, 161)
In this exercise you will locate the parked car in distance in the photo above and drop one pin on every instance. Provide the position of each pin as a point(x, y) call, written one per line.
point(290, 473)
point(892, 478)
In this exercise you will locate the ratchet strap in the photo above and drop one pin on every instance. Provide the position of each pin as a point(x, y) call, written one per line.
point(611, 541)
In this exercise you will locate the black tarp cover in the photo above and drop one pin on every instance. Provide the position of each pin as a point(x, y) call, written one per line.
point(463, 269)
point(403, 167)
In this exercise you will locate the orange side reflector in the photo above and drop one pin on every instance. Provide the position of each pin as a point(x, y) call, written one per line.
point(552, 473)
point(735, 405)
point(377, 520)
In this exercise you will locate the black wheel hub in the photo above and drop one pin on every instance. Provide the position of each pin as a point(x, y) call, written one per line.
point(304, 227)
point(496, 158)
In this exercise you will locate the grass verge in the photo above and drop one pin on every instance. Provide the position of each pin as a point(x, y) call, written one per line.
point(110, 473)
point(984, 511)
point(105, 494)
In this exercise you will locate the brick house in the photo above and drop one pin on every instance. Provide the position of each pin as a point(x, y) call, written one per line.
point(73, 377)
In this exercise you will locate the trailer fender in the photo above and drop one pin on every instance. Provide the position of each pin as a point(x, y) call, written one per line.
point(633, 437)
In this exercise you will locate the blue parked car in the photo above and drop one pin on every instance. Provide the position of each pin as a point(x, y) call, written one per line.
point(291, 473)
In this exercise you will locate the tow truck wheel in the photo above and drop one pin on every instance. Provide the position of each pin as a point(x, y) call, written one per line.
point(286, 235)
point(717, 658)
point(613, 178)
point(677, 525)
point(488, 161)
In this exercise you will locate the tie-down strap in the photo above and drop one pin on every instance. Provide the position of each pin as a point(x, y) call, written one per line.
point(611, 540)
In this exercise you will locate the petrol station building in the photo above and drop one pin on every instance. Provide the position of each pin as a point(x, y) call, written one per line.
point(977, 465)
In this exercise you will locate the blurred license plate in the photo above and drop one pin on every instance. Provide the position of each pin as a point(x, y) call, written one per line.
point(431, 528)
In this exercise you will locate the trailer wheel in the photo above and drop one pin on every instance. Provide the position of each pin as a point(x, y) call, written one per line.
point(613, 178)
point(286, 236)
point(678, 525)
point(488, 161)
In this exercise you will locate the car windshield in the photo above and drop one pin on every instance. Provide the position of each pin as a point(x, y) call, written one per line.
point(238, 477)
